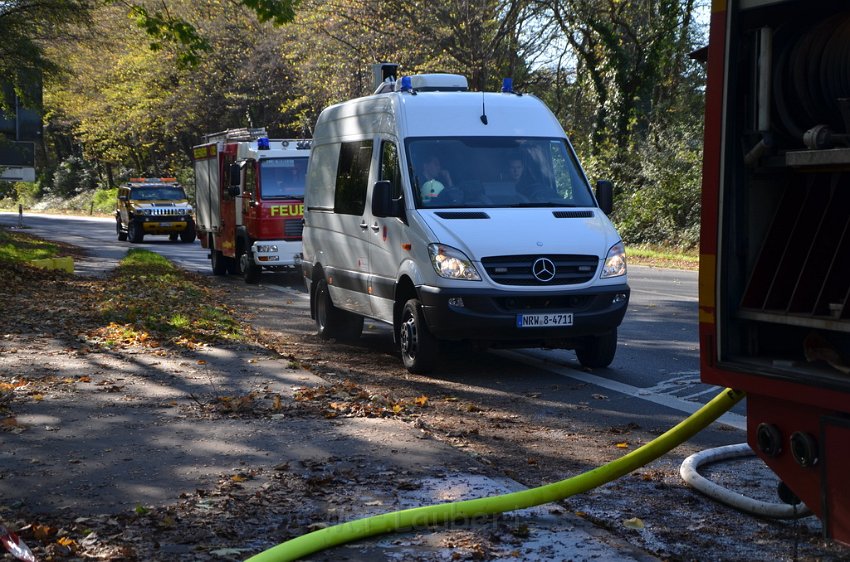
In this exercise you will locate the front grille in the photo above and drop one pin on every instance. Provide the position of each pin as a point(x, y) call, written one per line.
point(165, 212)
point(517, 270)
point(293, 228)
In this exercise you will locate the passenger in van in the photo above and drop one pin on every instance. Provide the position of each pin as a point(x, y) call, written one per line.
point(437, 179)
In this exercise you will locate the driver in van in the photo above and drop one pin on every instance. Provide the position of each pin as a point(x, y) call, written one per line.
point(518, 175)
point(437, 178)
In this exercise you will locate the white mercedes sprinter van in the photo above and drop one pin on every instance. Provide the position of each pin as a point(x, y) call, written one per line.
point(458, 215)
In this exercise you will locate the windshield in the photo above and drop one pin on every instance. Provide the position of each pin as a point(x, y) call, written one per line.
point(282, 177)
point(468, 172)
point(153, 193)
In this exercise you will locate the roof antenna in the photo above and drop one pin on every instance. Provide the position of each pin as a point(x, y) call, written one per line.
point(483, 111)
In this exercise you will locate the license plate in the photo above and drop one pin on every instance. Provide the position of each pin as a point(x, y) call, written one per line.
point(166, 224)
point(544, 320)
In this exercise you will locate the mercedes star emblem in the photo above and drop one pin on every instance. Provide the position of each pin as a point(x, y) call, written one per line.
point(543, 269)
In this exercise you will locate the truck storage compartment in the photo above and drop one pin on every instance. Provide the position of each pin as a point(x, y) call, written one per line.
point(785, 278)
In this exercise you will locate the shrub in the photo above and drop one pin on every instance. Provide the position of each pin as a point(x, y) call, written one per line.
point(104, 200)
point(73, 176)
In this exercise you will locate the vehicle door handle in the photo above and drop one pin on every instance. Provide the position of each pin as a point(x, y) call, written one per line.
point(376, 227)
point(363, 225)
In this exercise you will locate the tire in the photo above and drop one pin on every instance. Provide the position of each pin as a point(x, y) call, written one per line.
point(188, 236)
point(217, 260)
point(597, 352)
point(418, 346)
point(122, 235)
point(250, 270)
point(332, 322)
point(135, 233)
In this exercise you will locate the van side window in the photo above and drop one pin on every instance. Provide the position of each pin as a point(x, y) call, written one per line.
point(352, 177)
point(390, 169)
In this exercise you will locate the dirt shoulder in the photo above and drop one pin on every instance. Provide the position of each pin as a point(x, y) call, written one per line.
point(216, 452)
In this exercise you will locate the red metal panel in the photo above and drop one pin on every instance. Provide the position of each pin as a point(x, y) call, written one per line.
point(835, 441)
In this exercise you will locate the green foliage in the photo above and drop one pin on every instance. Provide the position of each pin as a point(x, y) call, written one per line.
point(73, 176)
point(277, 11)
point(103, 200)
point(162, 27)
point(615, 73)
point(23, 193)
point(27, 193)
point(7, 189)
point(22, 25)
point(665, 209)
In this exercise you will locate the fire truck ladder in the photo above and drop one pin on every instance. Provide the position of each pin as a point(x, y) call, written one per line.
point(236, 135)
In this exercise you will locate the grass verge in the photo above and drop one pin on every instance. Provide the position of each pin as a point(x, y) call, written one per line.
point(146, 300)
point(19, 247)
point(654, 256)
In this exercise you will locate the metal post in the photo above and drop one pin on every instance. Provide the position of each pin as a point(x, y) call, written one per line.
point(20, 216)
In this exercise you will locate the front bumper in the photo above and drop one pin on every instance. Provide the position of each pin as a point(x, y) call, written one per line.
point(162, 224)
point(491, 316)
point(276, 253)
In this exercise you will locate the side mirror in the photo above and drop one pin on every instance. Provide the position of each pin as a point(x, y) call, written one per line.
point(605, 196)
point(383, 204)
point(235, 176)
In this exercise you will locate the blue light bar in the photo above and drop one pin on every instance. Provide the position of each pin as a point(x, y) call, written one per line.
point(406, 84)
point(508, 85)
point(263, 143)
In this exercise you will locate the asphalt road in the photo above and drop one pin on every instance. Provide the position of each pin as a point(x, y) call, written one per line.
point(657, 363)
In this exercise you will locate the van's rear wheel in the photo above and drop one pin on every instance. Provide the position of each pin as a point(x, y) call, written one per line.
point(598, 352)
point(333, 322)
point(418, 345)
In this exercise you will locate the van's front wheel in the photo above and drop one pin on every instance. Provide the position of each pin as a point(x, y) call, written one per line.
point(418, 345)
point(332, 322)
point(597, 352)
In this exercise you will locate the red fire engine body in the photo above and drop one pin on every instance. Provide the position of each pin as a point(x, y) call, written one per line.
point(249, 194)
point(774, 300)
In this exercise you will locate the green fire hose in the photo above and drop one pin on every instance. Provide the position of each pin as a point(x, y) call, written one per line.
point(442, 513)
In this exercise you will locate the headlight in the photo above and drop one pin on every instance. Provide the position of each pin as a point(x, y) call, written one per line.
point(451, 263)
point(615, 263)
point(266, 248)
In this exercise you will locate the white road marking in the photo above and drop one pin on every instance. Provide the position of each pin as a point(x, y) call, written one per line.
point(732, 420)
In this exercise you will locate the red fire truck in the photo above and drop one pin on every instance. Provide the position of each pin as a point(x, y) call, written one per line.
point(774, 300)
point(249, 195)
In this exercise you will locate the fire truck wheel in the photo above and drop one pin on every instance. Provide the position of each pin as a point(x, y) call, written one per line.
point(333, 322)
point(250, 270)
point(135, 233)
point(218, 261)
point(598, 351)
point(121, 234)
